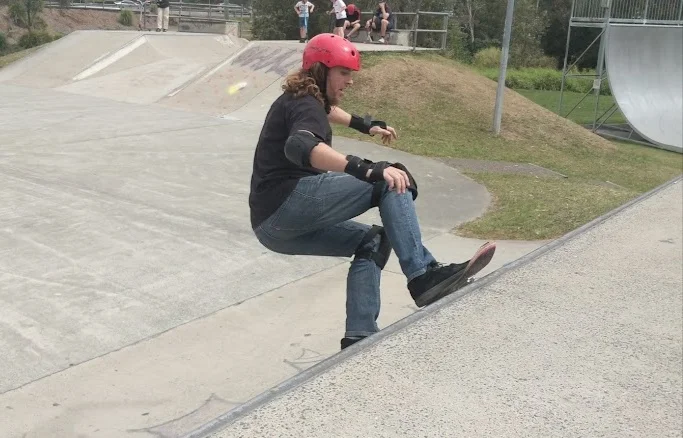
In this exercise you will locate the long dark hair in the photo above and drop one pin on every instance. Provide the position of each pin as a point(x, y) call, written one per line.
point(311, 81)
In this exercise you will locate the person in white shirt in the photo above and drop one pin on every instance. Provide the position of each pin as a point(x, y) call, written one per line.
point(303, 8)
point(339, 10)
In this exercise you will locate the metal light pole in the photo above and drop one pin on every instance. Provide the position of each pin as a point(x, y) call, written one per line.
point(498, 110)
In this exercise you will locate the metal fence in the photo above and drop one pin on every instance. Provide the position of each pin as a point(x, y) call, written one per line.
point(417, 30)
point(629, 11)
point(217, 10)
point(409, 22)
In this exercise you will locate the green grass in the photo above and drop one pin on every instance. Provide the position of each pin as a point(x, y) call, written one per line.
point(583, 113)
point(541, 208)
point(549, 79)
point(441, 108)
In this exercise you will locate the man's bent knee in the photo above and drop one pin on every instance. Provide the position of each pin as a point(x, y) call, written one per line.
point(366, 248)
point(380, 188)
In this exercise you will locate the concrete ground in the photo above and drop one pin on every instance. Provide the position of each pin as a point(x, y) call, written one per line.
point(581, 339)
point(135, 300)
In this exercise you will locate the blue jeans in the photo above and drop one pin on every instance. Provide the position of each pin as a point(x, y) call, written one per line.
point(316, 220)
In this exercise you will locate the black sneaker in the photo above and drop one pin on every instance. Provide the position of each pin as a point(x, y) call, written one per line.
point(347, 342)
point(442, 280)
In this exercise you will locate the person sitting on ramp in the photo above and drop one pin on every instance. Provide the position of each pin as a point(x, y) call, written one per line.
point(381, 23)
point(304, 194)
point(352, 21)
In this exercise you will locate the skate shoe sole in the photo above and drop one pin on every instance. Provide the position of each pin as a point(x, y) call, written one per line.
point(478, 262)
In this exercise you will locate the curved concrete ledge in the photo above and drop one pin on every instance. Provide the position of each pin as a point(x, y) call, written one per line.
point(397, 365)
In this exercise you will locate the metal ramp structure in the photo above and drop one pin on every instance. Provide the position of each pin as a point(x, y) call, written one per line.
point(641, 58)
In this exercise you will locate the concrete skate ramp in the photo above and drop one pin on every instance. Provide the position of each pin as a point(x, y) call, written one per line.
point(121, 221)
point(573, 339)
point(645, 67)
point(260, 66)
point(152, 66)
point(57, 63)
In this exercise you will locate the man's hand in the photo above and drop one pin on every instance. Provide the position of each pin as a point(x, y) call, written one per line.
point(396, 179)
point(387, 134)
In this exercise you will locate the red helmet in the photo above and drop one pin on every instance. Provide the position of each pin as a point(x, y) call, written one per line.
point(351, 9)
point(331, 50)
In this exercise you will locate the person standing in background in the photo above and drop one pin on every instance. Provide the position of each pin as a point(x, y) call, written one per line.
point(163, 9)
point(303, 8)
point(339, 10)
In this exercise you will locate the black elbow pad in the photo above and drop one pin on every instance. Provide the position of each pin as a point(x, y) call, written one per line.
point(299, 146)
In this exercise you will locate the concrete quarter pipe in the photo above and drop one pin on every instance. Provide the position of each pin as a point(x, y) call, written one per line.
point(645, 64)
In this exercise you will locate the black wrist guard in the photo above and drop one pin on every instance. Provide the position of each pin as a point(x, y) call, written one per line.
point(359, 168)
point(364, 124)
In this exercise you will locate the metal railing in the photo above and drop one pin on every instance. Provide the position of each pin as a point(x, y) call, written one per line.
point(179, 8)
point(629, 11)
point(413, 26)
point(416, 30)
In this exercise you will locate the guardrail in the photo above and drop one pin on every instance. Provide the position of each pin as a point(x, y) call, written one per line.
point(413, 26)
point(211, 10)
point(656, 12)
point(416, 30)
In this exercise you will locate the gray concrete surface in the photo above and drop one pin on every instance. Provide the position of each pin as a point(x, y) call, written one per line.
point(74, 52)
point(128, 271)
point(173, 383)
point(645, 67)
point(128, 220)
point(582, 338)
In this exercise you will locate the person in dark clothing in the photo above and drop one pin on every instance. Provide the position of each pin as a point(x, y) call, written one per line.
point(380, 22)
point(352, 21)
point(304, 194)
point(163, 9)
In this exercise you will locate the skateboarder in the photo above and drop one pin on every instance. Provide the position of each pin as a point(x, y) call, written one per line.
point(305, 194)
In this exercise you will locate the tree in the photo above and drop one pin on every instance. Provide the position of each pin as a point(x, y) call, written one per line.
point(25, 12)
point(528, 28)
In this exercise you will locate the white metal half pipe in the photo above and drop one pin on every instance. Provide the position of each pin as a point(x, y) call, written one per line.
point(645, 68)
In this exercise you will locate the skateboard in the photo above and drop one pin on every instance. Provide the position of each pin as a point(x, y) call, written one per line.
point(479, 260)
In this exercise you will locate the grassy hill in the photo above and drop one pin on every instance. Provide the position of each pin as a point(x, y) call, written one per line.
point(444, 109)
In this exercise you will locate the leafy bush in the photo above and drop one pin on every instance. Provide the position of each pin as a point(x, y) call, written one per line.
point(126, 17)
point(488, 57)
point(544, 79)
point(24, 13)
point(3, 43)
point(17, 13)
point(33, 39)
point(456, 45)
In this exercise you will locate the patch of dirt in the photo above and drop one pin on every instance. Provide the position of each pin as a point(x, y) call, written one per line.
point(64, 21)
point(68, 20)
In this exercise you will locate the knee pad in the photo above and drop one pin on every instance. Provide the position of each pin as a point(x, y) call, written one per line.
point(379, 256)
point(379, 187)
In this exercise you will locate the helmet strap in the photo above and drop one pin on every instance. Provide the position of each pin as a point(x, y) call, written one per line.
point(323, 88)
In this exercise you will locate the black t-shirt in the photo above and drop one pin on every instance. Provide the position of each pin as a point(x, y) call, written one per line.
point(274, 177)
point(353, 17)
